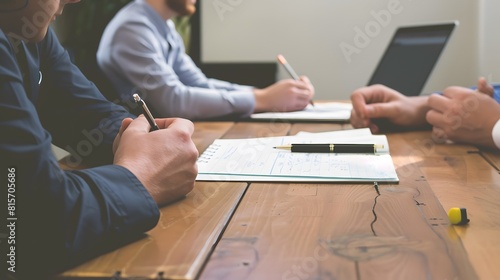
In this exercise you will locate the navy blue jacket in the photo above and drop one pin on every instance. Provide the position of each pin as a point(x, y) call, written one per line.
point(63, 217)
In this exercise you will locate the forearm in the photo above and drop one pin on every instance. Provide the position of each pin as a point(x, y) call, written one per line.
point(218, 84)
point(177, 100)
point(68, 217)
point(64, 217)
point(73, 110)
point(169, 96)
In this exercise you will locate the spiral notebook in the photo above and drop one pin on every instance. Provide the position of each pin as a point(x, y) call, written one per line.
point(255, 160)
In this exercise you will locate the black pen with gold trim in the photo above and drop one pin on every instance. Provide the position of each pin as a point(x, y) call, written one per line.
point(332, 148)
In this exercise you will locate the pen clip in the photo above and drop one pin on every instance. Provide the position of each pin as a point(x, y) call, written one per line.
point(147, 113)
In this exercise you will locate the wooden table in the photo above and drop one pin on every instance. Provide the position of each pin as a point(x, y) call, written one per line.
point(229, 230)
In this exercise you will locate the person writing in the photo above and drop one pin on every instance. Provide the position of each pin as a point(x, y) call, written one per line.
point(66, 217)
point(140, 50)
point(459, 114)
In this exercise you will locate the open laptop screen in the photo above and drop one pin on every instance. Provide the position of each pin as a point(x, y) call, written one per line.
point(410, 57)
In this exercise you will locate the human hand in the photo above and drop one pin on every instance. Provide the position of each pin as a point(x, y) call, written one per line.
point(284, 96)
point(163, 160)
point(381, 102)
point(310, 86)
point(484, 87)
point(464, 116)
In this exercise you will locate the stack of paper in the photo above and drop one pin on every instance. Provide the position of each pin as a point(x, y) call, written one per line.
point(329, 111)
point(256, 160)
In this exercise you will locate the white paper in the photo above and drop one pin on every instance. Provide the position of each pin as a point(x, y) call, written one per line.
point(255, 159)
point(330, 111)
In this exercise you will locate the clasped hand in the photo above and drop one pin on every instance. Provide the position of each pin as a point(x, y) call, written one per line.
point(459, 114)
point(463, 116)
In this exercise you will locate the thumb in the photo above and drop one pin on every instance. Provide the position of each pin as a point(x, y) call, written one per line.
point(484, 87)
point(381, 110)
point(140, 124)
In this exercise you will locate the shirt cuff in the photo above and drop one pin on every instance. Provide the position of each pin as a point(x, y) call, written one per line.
point(131, 207)
point(495, 133)
point(243, 101)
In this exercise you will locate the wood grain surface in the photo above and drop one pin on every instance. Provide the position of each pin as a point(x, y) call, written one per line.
point(345, 231)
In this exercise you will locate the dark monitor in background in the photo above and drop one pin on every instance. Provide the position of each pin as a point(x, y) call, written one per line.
point(410, 57)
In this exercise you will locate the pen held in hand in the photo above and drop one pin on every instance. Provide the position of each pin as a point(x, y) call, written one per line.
point(332, 148)
point(147, 113)
point(289, 69)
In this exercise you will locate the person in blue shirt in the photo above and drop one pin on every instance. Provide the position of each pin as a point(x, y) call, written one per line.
point(462, 115)
point(60, 218)
point(140, 50)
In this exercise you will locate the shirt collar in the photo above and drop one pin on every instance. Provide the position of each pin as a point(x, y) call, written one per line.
point(155, 18)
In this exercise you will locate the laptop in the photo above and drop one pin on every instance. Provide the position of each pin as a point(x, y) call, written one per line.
point(410, 57)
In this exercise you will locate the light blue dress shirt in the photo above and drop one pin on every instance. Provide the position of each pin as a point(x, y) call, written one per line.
point(496, 95)
point(139, 51)
point(495, 134)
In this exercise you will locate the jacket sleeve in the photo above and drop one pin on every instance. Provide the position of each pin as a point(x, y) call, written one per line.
point(73, 110)
point(63, 217)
